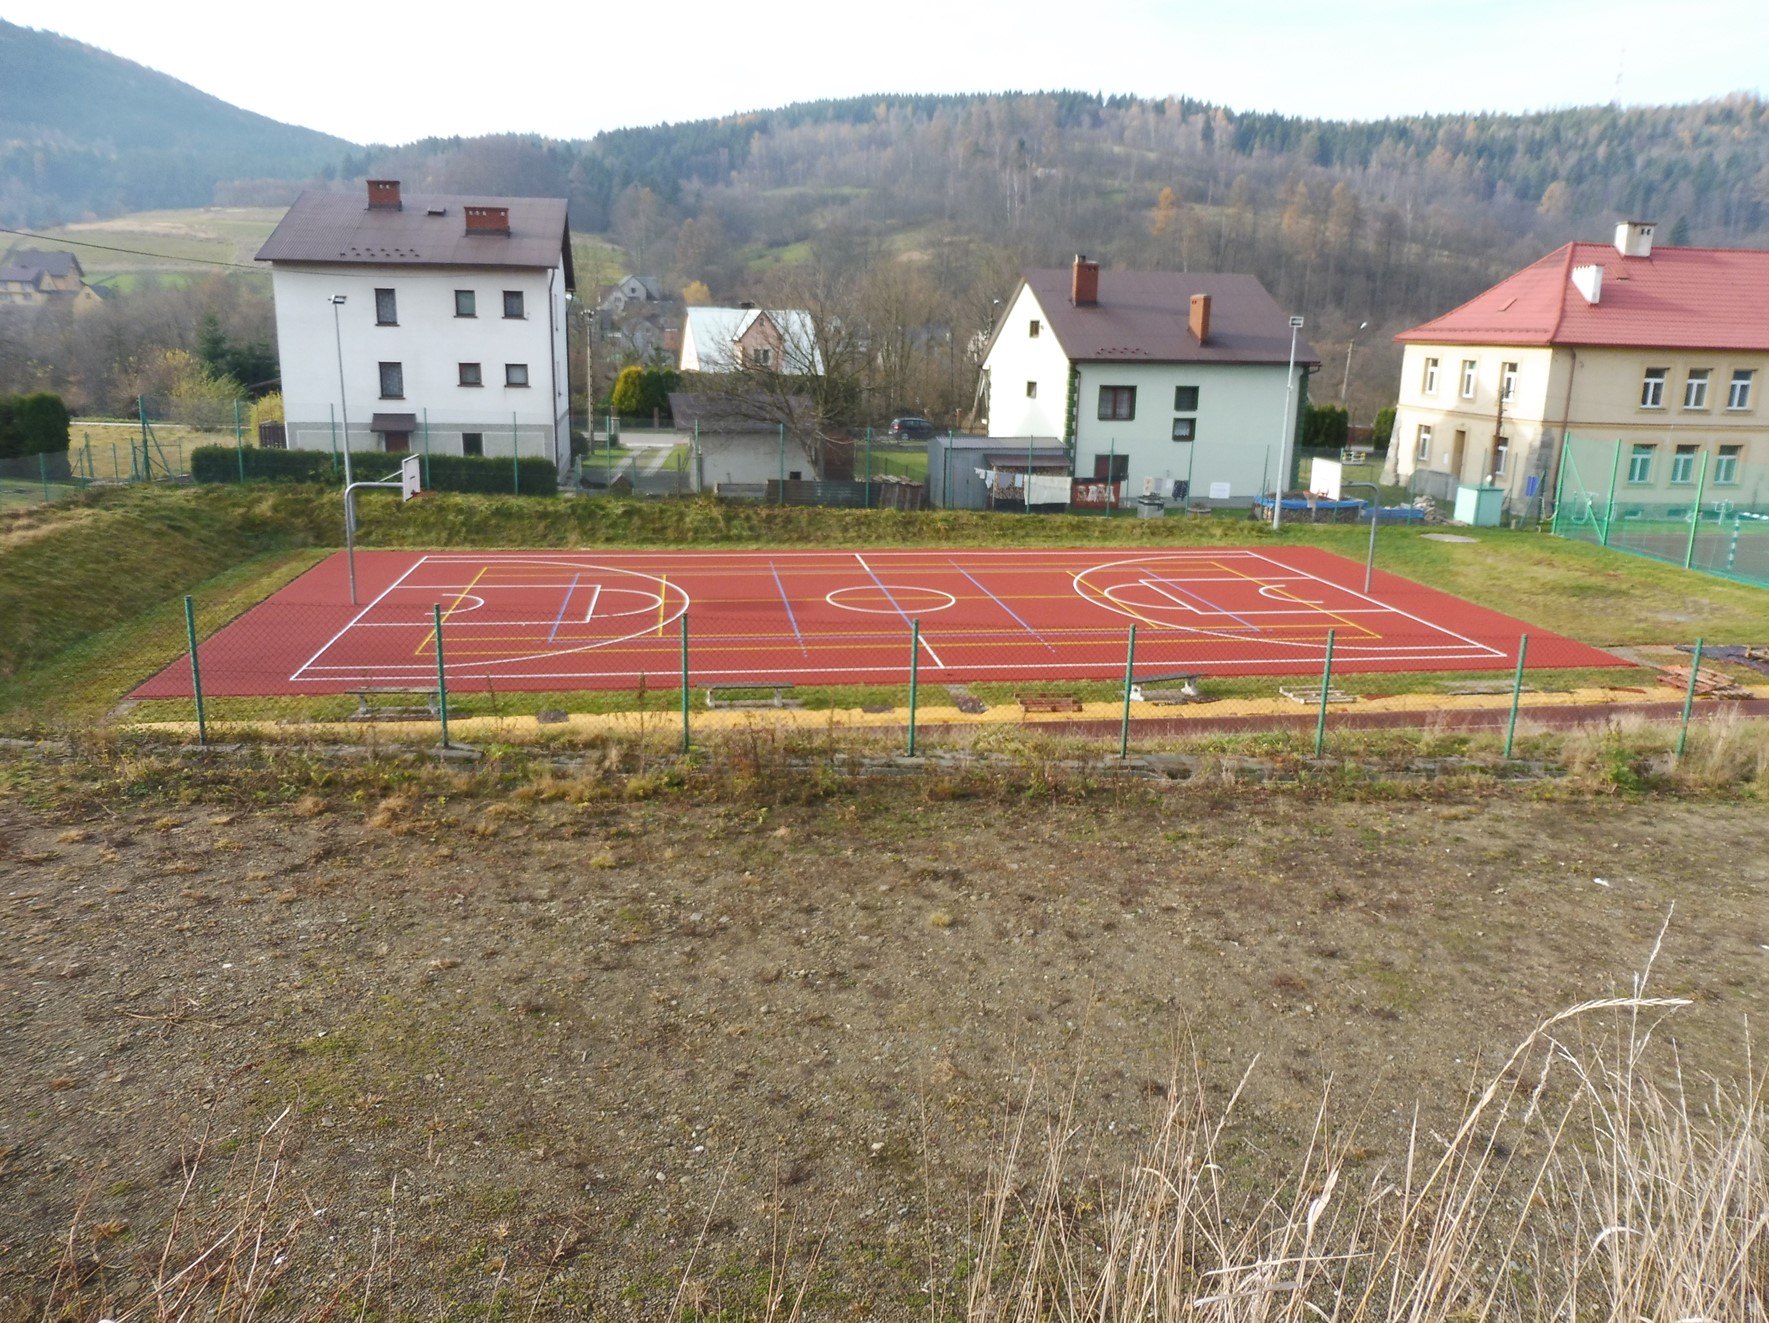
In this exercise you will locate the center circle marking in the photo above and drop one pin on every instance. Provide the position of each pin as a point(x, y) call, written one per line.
point(890, 599)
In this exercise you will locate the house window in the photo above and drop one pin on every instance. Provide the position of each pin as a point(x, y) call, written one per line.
point(513, 303)
point(1652, 389)
point(1424, 450)
point(1695, 389)
point(1726, 465)
point(1507, 381)
point(466, 303)
point(1185, 429)
point(470, 375)
point(1640, 463)
point(1683, 465)
point(1430, 386)
point(1111, 468)
point(1468, 369)
point(1117, 402)
point(1031, 390)
point(1501, 452)
point(761, 356)
point(515, 374)
point(472, 443)
point(1033, 329)
point(386, 308)
point(1185, 399)
point(393, 381)
point(1738, 395)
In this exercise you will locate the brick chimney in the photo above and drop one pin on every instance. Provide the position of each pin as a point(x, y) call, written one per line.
point(1201, 317)
point(488, 220)
point(384, 195)
point(1084, 288)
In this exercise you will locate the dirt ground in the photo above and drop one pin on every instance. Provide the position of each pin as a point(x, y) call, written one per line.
point(570, 1059)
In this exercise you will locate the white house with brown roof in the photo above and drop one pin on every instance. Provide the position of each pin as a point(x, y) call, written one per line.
point(1663, 348)
point(1185, 382)
point(751, 339)
point(424, 321)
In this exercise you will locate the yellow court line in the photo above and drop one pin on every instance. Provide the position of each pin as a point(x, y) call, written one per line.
point(429, 638)
point(1365, 630)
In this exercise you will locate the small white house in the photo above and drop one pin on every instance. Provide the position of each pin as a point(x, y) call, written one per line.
point(750, 339)
point(423, 322)
point(1182, 384)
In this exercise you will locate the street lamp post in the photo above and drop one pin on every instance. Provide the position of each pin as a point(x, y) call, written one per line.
point(1277, 502)
point(337, 301)
point(1345, 386)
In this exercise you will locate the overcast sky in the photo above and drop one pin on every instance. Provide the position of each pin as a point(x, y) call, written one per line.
point(374, 71)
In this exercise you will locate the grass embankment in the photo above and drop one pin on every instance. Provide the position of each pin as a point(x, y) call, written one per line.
point(91, 589)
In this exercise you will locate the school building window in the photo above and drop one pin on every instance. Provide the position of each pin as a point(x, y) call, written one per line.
point(1640, 463)
point(1424, 450)
point(1652, 389)
point(1726, 465)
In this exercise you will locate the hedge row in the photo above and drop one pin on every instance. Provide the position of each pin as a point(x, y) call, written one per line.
point(447, 473)
point(32, 425)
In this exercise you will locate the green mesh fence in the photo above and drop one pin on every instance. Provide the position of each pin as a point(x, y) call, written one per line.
point(1699, 506)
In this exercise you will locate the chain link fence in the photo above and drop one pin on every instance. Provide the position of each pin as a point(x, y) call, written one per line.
point(1699, 506)
point(476, 648)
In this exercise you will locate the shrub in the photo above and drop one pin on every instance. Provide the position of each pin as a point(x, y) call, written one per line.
point(447, 473)
point(32, 425)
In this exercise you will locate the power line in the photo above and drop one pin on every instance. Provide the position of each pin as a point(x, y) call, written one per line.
point(132, 252)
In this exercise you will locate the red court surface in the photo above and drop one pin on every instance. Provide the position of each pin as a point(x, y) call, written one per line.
point(565, 620)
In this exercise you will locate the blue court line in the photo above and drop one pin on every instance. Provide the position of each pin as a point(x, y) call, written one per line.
point(787, 603)
point(1003, 605)
point(564, 606)
point(1168, 583)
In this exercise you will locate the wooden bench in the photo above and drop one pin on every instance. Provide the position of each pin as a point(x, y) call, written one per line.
point(780, 691)
point(1152, 688)
point(1049, 703)
point(368, 708)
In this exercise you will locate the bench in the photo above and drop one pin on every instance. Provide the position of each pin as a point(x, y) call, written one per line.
point(780, 691)
point(369, 708)
point(1150, 688)
point(1049, 703)
point(1310, 695)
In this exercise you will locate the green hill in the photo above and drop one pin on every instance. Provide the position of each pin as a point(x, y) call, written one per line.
point(84, 132)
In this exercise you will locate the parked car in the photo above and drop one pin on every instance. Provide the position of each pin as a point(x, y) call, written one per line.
point(911, 428)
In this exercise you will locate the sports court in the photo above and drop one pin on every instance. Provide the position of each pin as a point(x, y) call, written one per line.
point(577, 620)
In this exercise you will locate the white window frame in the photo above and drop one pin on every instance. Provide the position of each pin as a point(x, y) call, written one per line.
point(1422, 450)
point(1501, 455)
point(1507, 381)
point(1726, 466)
point(1652, 388)
point(1683, 465)
point(1470, 377)
point(1695, 388)
point(1738, 393)
point(1429, 386)
point(1640, 461)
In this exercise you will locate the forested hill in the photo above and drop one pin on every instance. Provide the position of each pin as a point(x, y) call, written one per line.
point(84, 132)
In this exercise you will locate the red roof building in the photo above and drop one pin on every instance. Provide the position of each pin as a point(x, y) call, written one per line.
point(1661, 349)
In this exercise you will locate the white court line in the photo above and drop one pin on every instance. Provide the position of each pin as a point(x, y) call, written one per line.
point(1485, 649)
point(409, 569)
point(921, 638)
point(594, 598)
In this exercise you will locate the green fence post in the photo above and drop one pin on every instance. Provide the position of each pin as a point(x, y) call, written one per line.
point(515, 459)
point(1111, 477)
point(1129, 668)
point(783, 463)
point(1320, 726)
point(1689, 699)
point(441, 678)
point(684, 682)
point(914, 662)
point(868, 468)
point(1559, 481)
point(1701, 482)
point(1516, 693)
point(1615, 473)
point(426, 449)
point(196, 674)
point(116, 468)
point(239, 445)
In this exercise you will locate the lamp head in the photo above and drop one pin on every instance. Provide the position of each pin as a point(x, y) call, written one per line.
point(337, 300)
